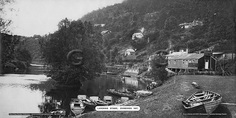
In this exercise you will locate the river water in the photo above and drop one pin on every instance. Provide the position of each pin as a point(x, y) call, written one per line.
point(19, 96)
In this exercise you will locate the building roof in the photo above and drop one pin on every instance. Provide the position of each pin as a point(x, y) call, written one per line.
point(186, 56)
point(218, 53)
point(130, 50)
point(137, 35)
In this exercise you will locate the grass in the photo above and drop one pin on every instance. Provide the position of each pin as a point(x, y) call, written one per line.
point(166, 100)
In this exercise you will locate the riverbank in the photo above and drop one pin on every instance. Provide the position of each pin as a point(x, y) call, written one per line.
point(166, 100)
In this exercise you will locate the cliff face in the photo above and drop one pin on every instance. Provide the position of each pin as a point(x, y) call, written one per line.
point(166, 24)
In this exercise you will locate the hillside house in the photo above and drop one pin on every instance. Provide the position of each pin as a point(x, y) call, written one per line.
point(190, 25)
point(99, 25)
point(105, 32)
point(191, 61)
point(137, 35)
point(129, 57)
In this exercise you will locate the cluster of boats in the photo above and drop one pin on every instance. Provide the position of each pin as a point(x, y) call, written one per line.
point(82, 102)
point(79, 104)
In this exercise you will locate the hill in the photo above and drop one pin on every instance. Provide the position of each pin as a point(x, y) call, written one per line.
point(166, 24)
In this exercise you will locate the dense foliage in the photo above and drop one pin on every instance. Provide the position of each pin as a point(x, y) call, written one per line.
point(69, 36)
point(161, 19)
point(32, 45)
point(14, 57)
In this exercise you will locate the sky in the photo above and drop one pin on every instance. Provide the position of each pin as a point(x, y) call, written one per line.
point(40, 17)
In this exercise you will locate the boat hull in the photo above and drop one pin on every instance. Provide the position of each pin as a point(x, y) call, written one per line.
point(143, 93)
point(77, 111)
point(202, 102)
point(129, 95)
point(211, 106)
point(101, 103)
point(77, 107)
point(90, 105)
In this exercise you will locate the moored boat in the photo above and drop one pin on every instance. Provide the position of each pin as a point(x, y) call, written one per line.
point(202, 101)
point(122, 94)
point(77, 107)
point(88, 103)
point(107, 99)
point(98, 101)
point(58, 111)
point(81, 97)
point(143, 93)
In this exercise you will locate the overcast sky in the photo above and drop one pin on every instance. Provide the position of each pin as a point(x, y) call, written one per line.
point(42, 16)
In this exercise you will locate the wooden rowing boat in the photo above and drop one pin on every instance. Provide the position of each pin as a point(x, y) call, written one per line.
point(143, 93)
point(98, 101)
point(77, 107)
point(108, 99)
point(122, 94)
point(87, 102)
point(202, 101)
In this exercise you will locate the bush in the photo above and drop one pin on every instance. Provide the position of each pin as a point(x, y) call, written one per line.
point(70, 36)
point(159, 73)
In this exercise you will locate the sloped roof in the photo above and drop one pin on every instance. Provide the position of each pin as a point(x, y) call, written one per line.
point(218, 53)
point(130, 50)
point(137, 35)
point(186, 56)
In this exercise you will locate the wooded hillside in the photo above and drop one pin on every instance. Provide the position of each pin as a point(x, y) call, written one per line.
point(161, 21)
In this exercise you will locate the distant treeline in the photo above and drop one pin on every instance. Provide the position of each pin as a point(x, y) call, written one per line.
point(15, 59)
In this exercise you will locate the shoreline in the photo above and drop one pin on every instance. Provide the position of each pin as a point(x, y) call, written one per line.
point(166, 99)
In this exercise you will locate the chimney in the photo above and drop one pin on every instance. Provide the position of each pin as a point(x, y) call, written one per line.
point(187, 50)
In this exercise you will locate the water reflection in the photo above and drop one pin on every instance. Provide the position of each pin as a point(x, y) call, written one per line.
point(96, 87)
point(17, 96)
point(22, 93)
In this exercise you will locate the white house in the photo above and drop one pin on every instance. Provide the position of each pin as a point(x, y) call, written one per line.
point(190, 25)
point(129, 52)
point(137, 35)
point(105, 32)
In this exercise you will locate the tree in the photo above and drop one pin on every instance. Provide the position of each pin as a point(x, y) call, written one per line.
point(3, 28)
point(114, 54)
point(4, 23)
point(73, 35)
point(171, 24)
point(158, 72)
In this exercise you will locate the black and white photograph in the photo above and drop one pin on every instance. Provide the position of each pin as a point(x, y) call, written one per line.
point(117, 59)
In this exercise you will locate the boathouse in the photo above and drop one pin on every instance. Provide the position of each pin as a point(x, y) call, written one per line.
point(191, 62)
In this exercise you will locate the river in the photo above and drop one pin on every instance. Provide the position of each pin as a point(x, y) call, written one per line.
point(19, 96)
